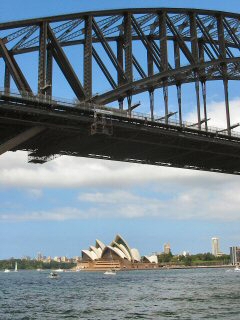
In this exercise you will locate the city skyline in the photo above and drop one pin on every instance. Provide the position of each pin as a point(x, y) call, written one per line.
point(166, 248)
point(62, 205)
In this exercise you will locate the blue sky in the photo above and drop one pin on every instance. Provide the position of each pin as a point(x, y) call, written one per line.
point(63, 206)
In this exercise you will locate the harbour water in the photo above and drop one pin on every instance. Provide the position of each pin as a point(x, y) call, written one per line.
point(157, 294)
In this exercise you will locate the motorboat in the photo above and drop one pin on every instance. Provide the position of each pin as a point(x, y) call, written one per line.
point(110, 272)
point(237, 268)
point(59, 270)
point(53, 275)
point(6, 270)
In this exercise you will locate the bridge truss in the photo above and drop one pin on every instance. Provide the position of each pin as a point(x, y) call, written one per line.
point(134, 51)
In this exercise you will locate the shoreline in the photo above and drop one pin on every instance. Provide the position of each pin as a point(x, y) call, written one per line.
point(160, 268)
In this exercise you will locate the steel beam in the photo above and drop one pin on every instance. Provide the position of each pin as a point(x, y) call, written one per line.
point(151, 98)
point(128, 47)
point(42, 58)
point(7, 80)
point(150, 59)
point(87, 63)
point(104, 68)
point(163, 40)
point(14, 69)
point(222, 53)
point(49, 71)
point(179, 98)
point(179, 86)
point(179, 75)
point(146, 43)
point(120, 41)
point(204, 94)
point(20, 138)
point(180, 40)
point(138, 67)
point(65, 66)
point(108, 49)
point(164, 58)
point(195, 53)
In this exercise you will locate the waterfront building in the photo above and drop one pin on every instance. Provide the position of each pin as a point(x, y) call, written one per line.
point(166, 248)
point(215, 246)
point(64, 259)
point(57, 259)
point(151, 259)
point(118, 256)
point(39, 256)
point(118, 249)
point(235, 255)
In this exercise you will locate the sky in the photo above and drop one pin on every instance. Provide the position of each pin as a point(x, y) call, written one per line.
point(62, 206)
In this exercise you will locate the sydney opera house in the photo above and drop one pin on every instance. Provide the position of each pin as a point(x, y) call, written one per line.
point(117, 255)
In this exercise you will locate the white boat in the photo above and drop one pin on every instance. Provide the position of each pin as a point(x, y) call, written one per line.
point(59, 270)
point(16, 267)
point(237, 269)
point(39, 269)
point(6, 270)
point(110, 272)
point(53, 275)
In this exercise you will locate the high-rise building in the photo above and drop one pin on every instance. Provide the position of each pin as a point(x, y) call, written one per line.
point(215, 246)
point(39, 256)
point(166, 248)
point(235, 255)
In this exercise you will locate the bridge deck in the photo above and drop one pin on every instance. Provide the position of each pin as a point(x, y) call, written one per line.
point(131, 139)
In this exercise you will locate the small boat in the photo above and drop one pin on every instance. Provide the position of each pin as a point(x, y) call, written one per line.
point(39, 269)
point(16, 267)
point(110, 272)
point(237, 268)
point(53, 275)
point(6, 270)
point(59, 270)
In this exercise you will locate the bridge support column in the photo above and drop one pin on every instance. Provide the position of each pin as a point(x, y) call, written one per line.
point(120, 102)
point(7, 80)
point(49, 72)
point(42, 58)
point(151, 98)
point(20, 138)
point(165, 96)
point(129, 99)
point(198, 102)
point(204, 94)
point(128, 47)
point(179, 97)
point(222, 54)
point(225, 84)
point(88, 57)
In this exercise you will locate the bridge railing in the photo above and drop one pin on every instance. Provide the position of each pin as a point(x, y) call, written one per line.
point(56, 102)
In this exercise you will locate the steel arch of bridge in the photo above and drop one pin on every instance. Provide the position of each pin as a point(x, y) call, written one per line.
point(178, 46)
point(205, 46)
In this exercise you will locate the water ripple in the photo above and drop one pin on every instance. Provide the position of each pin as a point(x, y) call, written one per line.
point(158, 294)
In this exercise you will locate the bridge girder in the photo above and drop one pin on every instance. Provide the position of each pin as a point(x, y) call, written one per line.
point(135, 50)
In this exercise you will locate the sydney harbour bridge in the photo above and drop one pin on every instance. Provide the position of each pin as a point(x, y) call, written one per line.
point(128, 52)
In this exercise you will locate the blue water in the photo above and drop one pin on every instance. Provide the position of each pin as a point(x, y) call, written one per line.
point(157, 294)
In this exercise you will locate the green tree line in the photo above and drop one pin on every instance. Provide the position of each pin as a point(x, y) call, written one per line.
point(204, 259)
point(34, 264)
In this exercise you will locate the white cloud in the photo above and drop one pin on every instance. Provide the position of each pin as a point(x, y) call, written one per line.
point(177, 193)
point(184, 204)
point(73, 172)
point(115, 197)
point(216, 111)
